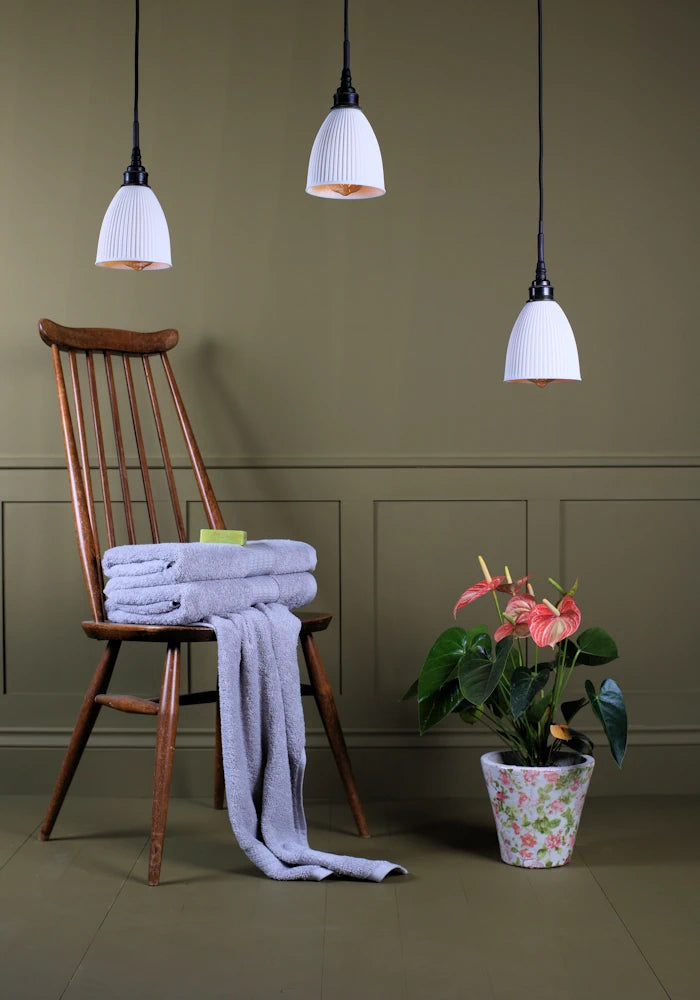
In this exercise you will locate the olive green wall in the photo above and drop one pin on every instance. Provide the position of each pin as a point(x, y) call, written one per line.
point(343, 362)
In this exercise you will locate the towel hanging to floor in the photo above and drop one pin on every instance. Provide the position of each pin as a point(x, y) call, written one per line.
point(262, 720)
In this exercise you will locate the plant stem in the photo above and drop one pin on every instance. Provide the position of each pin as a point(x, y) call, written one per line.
point(498, 607)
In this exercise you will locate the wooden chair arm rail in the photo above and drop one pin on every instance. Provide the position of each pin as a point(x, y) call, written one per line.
point(118, 341)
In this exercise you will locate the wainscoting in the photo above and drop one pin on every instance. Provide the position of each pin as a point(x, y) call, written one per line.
point(397, 543)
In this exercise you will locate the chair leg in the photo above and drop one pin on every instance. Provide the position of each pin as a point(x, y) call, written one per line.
point(81, 733)
point(323, 694)
point(219, 783)
point(168, 708)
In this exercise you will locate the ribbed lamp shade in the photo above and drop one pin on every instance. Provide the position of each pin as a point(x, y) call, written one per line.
point(542, 347)
point(134, 231)
point(345, 160)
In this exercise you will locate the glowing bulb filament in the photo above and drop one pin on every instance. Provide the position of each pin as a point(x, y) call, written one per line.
point(345, 189)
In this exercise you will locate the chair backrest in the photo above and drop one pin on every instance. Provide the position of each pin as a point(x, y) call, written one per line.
point(115, 350)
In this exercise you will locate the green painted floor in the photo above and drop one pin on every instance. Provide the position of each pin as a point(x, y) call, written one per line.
point(77, 920)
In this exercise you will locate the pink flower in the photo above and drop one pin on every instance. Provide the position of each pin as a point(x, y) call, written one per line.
point(501, 796)
point(478, 590)
point(529, 777)
point(525, 854)
point(575, 785)
point(505, 778)
point(549, 625)
point(516, 829)
point(557, 806)
point(552, 777)
point(522, 799)
point(488, 584)
point(553, 840)
point(572, 840)
point(528, 840)
point(518, 610)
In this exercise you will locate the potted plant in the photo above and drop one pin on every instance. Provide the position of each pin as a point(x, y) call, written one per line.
point(538, 783)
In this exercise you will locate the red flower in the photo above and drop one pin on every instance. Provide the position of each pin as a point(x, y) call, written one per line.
point(488, 584)
point(518, 610)
point(528, 840)
point(549, 625)
point(513, 587)
point(478, 590)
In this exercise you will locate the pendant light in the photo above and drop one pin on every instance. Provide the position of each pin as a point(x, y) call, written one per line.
point(345, 159)
point(134, 233)
point(542, 348)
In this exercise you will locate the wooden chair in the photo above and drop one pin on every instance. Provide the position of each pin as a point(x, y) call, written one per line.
point(134, 352)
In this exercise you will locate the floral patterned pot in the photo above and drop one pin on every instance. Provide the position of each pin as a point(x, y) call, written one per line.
point(537, 809)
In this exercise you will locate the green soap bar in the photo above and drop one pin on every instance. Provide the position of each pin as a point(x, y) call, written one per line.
point(217, 535)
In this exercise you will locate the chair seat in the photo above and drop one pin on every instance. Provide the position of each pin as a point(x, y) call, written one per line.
point(311, 621)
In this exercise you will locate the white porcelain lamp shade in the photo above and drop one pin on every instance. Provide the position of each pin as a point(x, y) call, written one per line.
point(134, 231)
point(345, 159)
point(542, 347)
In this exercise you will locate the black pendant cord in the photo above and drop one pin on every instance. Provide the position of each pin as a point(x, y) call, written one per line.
point(135, 172)
point(540, 288)
point(346, 96)
point(136, 77)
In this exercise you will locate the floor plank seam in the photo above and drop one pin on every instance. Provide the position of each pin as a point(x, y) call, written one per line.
point(20, 846)
point(102, 922)
point(624, 924)
point(402, 950)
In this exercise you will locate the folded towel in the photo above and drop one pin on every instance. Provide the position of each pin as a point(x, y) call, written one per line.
point(262, 731)
point(186, 603)
point(183, 562)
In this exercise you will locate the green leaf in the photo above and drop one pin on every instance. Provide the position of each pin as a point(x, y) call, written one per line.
point(479, 675)
point(445, 654)
point(434, 708)
point(412, 691)
point(537, 709)
point(597, 647)
point(609, 706)
point(443, 657)
point(471, 714)
point(524, 685)
point(570, 708)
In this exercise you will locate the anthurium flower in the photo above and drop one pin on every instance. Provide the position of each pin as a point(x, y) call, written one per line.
point(510, 586)
point(517, 617)
point(550, 624)
point(485, 586)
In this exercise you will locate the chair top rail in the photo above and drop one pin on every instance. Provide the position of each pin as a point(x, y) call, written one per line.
point(68, 338)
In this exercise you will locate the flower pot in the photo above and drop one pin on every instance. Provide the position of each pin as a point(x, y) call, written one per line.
point(537, 809)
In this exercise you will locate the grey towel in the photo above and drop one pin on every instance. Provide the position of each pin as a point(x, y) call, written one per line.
point(183, 562)
point(186, 603)
point(262, 730)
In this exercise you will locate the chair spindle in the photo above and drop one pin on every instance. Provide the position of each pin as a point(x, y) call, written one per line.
point(123, 475)
point(143, 460)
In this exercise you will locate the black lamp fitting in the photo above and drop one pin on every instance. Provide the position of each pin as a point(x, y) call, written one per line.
point(346, 96)
point(135, 173)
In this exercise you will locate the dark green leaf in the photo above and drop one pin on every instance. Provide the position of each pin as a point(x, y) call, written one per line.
point(431, 710)
point(538, 708)
point(479, 675)
point(524, 685)
point(597, 647)
point(444, 656)
point(471, 713)
point(570, 708)
point(609, 706)
point(441, 661)
point(412, 691)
